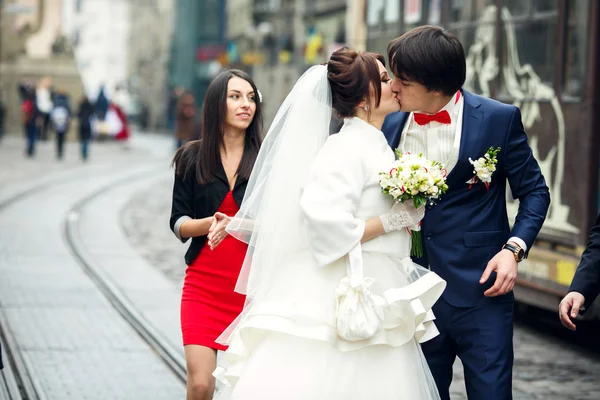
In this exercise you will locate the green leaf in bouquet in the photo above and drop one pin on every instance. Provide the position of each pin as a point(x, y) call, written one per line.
point(419, 201)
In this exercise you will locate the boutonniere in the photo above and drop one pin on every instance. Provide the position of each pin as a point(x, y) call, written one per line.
point(484, 167)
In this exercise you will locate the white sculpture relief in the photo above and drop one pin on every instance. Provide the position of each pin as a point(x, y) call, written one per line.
point(526, 88)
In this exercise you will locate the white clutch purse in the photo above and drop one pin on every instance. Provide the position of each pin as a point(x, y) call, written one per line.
point(359, 312)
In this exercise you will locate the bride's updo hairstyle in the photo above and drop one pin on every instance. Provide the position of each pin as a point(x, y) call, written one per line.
point(353, 77)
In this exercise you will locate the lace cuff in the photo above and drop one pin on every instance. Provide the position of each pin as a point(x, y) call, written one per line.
point(394, 221)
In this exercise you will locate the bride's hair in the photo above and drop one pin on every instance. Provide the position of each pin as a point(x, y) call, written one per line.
point(352, 75)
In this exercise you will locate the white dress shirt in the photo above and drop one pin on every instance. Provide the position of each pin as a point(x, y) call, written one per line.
point(440, 142)
point(437, 141)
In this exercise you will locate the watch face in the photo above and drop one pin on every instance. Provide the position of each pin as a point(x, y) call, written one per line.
point(521, 254)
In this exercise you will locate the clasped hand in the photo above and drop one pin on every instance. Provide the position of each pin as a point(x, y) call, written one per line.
point(217, 232)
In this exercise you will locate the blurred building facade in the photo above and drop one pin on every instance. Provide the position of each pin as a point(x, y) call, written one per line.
point(149, 45)
point(99, 30)
point(33, 45)
point(273, 40)
point(277, 40)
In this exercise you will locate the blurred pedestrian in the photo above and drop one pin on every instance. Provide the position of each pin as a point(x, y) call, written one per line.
point(102, 104)
point(61, 120)
point(144, 116)
point(185, 119)
point(84, 114)
point(123, 134)
point(585, 286)
point(211, 175)
point(28, 115)
point(44, 106)
point(172, 106)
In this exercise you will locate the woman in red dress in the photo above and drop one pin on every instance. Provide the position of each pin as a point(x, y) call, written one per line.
point(211, 175)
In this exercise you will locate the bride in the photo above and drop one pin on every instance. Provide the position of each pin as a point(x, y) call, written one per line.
point(314, 213)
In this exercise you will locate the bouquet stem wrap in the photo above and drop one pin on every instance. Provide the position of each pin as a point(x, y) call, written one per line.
point(416, 248)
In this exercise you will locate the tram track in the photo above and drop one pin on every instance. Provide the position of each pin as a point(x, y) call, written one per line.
point(170, 356)
point(17, 382)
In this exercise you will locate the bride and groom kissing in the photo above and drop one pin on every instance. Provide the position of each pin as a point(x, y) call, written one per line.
point(320, 217)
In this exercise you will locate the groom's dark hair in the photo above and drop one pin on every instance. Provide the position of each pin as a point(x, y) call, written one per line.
point(431, 56)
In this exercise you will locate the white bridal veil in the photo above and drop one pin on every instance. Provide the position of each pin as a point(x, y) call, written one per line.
point(270, 219)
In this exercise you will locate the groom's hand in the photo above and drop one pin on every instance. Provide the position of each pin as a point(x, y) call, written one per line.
point(506, 273)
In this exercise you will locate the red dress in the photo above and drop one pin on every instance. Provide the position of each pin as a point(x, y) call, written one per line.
point(209, 303)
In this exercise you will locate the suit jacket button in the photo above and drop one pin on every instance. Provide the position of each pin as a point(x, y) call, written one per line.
point(428, 237)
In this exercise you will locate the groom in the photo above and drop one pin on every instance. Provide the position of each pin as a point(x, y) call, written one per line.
point(467, 238)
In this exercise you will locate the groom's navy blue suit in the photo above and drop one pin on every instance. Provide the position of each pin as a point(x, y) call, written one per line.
point(464, 231)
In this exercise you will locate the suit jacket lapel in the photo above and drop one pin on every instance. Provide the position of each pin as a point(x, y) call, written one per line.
point(470, 136)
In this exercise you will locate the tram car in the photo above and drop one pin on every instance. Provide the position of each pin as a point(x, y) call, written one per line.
point(544, 57)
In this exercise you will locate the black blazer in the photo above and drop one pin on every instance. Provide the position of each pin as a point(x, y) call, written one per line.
point(587, 276)
point(196, 201)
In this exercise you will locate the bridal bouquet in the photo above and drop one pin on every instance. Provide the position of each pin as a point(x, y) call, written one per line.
point(417, 179)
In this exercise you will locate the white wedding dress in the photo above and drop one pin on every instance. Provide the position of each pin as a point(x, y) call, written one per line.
point(284, 346)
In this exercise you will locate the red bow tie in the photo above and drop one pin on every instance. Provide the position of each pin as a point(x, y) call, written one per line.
point(442, 117)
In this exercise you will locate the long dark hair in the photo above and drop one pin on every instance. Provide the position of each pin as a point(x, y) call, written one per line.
point(203, 156)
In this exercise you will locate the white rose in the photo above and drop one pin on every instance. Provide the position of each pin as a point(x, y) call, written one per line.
point(396, 192)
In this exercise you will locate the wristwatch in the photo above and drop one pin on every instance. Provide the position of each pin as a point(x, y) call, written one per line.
point(517, 251)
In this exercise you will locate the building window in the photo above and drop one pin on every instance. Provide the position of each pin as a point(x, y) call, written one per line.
point(576, 48)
